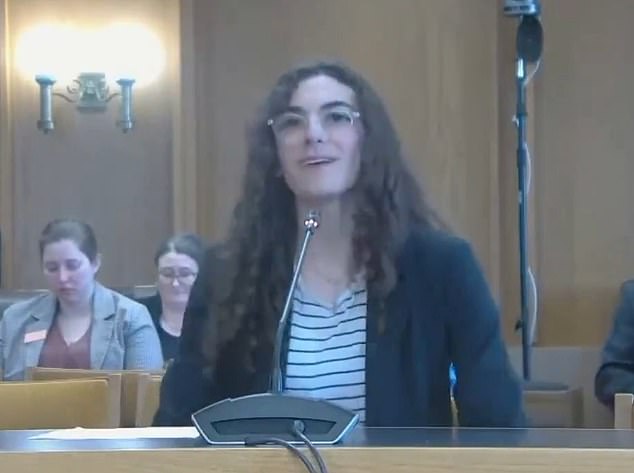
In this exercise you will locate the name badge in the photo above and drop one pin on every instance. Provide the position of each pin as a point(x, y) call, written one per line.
point(34, 336)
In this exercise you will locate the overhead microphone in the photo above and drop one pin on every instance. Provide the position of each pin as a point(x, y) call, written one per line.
point(522, 7)
point(530, 35)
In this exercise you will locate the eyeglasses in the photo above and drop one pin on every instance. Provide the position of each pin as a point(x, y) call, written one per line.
point(184, 275)
point(291, 127)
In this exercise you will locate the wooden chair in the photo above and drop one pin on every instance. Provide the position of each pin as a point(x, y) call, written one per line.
point(623, 412)
point(130, 394)
point(554, 408)
point(57, 404)
point(114, 381)
point(546, 408)
point(127, 388)
point(148, 397)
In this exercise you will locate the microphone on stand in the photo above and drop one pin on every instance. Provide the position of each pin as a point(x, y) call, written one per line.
point(529, 43)
point(530, 39)
point(530, 35)
point(275, 416)
point(522, 7)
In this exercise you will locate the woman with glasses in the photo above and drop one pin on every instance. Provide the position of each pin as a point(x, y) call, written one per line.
point(387, 298)
point(78, 323)
point(177, 263)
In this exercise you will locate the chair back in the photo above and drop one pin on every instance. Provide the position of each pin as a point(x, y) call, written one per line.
point(126, 388)
point(114, 380)
point(56, 404)
point(623, 411)
point(148, 397)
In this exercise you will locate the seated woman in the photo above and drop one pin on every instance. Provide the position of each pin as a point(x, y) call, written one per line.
point(386, 300)
point(79, 323)
point(177, 262)
point(616, 373)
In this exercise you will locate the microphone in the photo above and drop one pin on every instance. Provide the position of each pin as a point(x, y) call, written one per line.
point(530, 36)
point(522, 7)
point(310, 224)
point(529, 42)
point(264, 417)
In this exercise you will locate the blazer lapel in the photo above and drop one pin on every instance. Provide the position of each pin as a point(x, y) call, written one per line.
point(372, 361)
point(102, 332)
point(37, 328)
point(383, 348)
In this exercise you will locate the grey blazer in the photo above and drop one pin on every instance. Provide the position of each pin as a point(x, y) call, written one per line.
point(122, 334)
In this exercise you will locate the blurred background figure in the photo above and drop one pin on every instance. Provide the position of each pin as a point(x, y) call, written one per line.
point(77, 323)
point(616, 372)
point(177, 263)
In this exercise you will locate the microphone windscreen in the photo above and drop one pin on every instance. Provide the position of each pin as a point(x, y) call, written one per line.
point(530, 39)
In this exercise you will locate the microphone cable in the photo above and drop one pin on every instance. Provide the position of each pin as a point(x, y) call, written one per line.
point(286, 444)
point(533, 317)
point(298, 432)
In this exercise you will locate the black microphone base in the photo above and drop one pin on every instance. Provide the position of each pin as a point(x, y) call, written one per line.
point(254, 419)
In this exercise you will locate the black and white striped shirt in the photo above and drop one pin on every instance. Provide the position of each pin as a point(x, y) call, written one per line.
point(326, 356)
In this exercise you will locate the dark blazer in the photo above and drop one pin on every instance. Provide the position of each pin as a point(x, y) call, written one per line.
point(153, 305)
point(440, 311)
point(169, 343)
point(155, 308)
point(616, 373)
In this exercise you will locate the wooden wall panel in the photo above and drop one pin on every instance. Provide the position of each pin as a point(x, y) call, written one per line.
point(445, 69)
point(184, 149)
point(434, 62)
point(87, 168)
point(584, 166)
point(6, 156)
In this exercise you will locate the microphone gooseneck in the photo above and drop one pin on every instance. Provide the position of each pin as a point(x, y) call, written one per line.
point(310, 225)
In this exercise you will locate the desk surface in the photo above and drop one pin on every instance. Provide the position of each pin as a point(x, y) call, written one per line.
point(19, 441)
point(364, 451)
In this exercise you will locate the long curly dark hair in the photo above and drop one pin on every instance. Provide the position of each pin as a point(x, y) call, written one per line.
point(262, 241)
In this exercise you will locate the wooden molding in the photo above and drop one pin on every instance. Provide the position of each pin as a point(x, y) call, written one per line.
point(184, 154)
point(6, 153)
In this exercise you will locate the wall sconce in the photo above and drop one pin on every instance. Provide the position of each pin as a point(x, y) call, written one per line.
point(129, 52)
point(91, 93)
